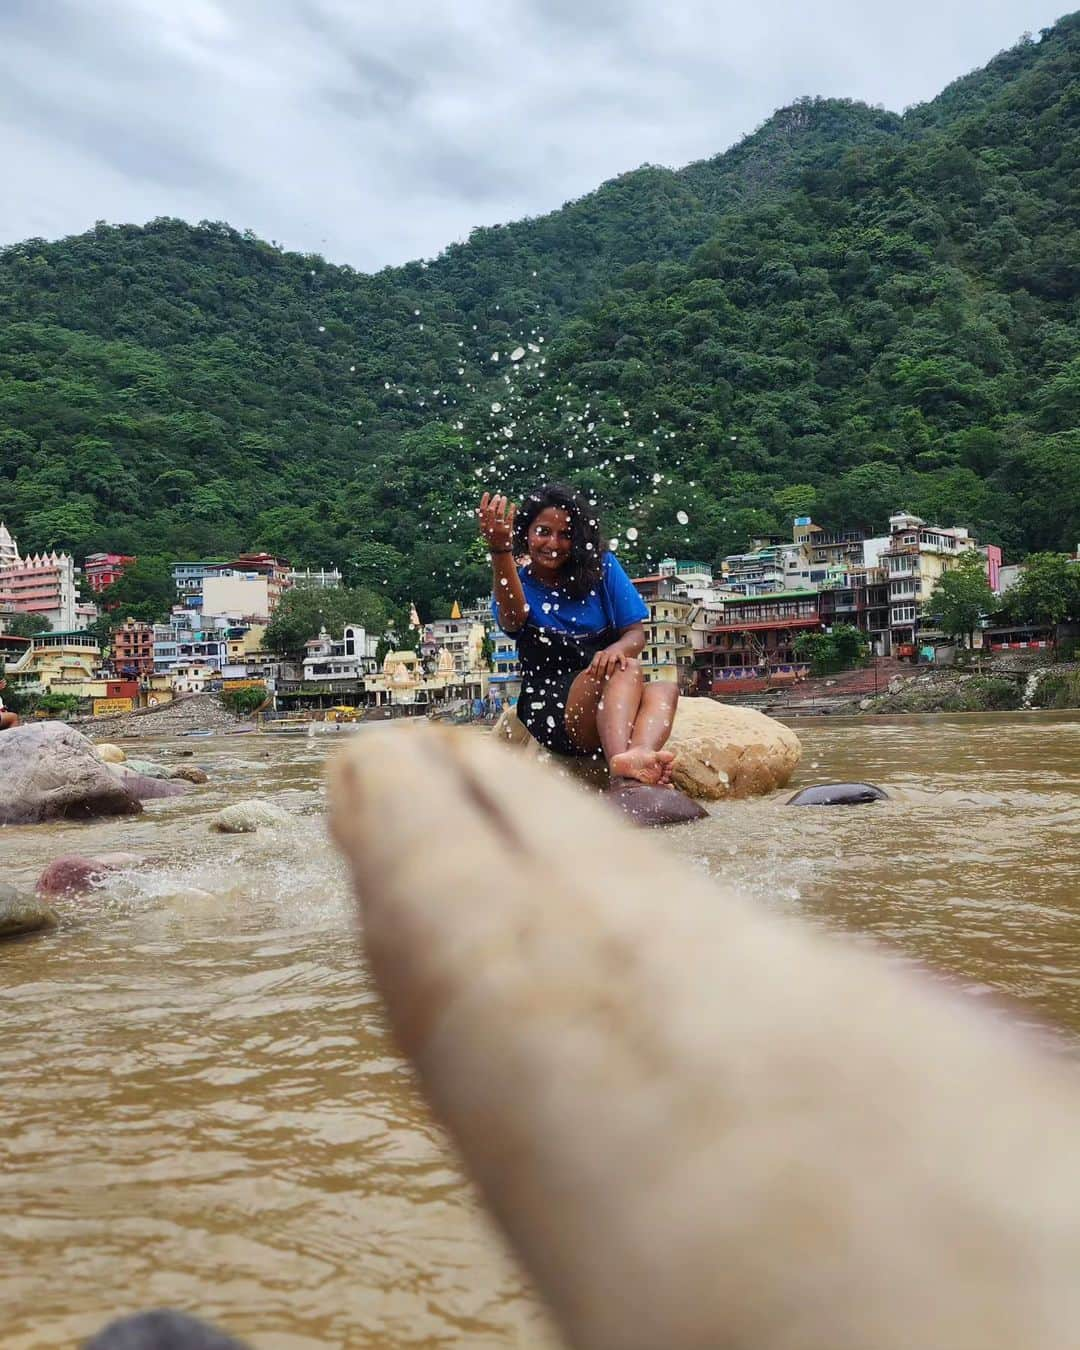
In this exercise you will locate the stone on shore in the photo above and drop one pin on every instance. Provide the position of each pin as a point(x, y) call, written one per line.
point(73, 874)
point(722, 750)
point(49, 771)
point(191, 773)
point(109, 753)
point(23, 913)
point(247, 817)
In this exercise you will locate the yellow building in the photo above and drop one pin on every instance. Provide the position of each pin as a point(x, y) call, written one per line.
point(668, 653)
point(63, 659)
point(916, 556)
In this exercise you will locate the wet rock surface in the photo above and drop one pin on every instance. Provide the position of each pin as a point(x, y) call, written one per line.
point(838, 794)
point(49, 771)
point(21, 913)
point(247, 817)
point(74, 874)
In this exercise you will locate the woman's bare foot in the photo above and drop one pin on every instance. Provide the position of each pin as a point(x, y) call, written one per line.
point(646, 766)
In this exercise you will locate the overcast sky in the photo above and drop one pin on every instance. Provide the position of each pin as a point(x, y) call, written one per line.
point(378, 132)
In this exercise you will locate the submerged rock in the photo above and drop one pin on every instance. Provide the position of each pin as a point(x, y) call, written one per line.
point(23, 913)
point(142, 786)
point(247, 817)
point(838, 794)
point(73, 874)
point(49, 771)
point(148, 768)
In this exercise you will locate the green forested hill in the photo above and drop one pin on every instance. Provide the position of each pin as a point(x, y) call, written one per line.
point(848, 312)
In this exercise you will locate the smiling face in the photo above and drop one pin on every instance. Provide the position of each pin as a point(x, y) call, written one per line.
point(550, 539)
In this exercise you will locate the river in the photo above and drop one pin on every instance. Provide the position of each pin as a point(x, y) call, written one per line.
point(200, 1106)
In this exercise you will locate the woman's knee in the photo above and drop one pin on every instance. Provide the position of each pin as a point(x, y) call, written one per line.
point(631, 671)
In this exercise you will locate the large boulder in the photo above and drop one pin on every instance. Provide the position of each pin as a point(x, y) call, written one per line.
point(49, 771)
point(22, 913)
point(109, 753)
point(722, 750)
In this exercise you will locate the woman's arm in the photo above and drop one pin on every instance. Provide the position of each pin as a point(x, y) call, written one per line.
point(496, 516)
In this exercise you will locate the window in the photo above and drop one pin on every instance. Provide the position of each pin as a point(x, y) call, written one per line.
point(903, 614)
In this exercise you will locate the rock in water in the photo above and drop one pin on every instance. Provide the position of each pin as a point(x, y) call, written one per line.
point(162, 1330)
point(23, 913)
point(72, 874)
point(726, 751)
point(143, 787)
point(247, 817)
point(647, 806)
point(721, 750)
point(191, 773)
point(109, 753)
point(148, 768)
point(49, 771)
point(838, 794)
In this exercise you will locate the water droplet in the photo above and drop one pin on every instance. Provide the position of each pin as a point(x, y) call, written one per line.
point(613, 544)
point(496, 407)
point(631, 533)
point(682, 517)
point(517, 353)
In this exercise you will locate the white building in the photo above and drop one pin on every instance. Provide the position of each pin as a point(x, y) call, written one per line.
point(350, 657)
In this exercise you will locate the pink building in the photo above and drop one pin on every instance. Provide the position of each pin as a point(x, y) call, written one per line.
point(43, 584)
point(102, 569)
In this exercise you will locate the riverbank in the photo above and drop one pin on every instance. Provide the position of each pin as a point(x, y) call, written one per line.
point(195, 712)
point(1010, 684)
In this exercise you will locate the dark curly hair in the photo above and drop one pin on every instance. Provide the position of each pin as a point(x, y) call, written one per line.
point(584, 571)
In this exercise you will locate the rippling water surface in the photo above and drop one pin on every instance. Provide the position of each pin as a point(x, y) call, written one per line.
point(199, 1103)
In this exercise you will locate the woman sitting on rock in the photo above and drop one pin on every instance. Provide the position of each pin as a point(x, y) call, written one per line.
point(577, 621)
point(7, 719)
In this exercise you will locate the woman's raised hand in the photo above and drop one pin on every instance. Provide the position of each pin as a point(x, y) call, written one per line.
point(496, 516)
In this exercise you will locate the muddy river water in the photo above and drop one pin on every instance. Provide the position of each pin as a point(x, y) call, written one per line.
point(200, 1106)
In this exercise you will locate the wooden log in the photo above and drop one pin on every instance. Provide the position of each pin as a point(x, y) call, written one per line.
point(701, 1125)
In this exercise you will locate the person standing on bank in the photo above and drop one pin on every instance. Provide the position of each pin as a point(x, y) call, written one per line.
point(577, 621)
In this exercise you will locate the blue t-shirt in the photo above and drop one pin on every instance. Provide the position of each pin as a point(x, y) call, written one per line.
point(618, 606)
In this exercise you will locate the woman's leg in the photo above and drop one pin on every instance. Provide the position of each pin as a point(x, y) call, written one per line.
point(8, 719)
point(604, 714)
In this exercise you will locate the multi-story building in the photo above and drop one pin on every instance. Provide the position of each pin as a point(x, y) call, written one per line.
point(55, 659)
point(505, 680)
point(917, 555)
point(750, 644)
point(244, 593)
point(188, 579)
point(189, 638)
point(102, 569)
point(133, 648)
point(42, 584)
point(759, 571)
point(277, 572)
point(9, 549)
point(461, 637)
point(668, 654)
point(858, 595)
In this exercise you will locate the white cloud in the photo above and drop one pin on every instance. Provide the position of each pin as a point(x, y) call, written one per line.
point(377, 133)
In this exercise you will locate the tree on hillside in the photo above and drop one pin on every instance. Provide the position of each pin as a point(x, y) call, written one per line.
point(144, 590)
point(1048, 591)
point(26, 625)
point(961, 597)
point(302, 612)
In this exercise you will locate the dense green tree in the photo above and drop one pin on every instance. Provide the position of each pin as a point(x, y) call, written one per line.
point(301, 613)
point(961, 597)
point(1047, 592)
point(26, 625)
point(144, 591)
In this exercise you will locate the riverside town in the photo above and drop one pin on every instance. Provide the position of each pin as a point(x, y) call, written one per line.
point(737, 629)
